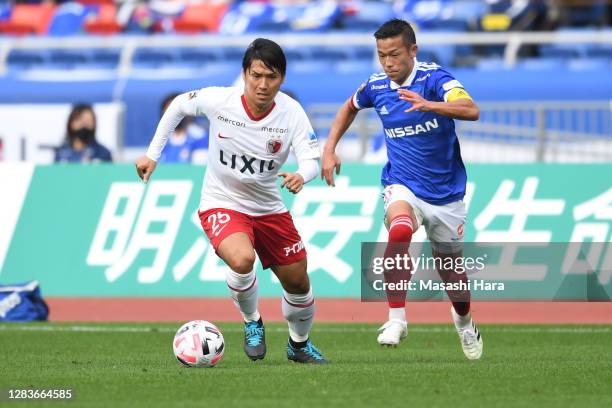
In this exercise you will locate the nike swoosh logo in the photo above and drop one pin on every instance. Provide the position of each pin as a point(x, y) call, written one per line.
point(224, 137)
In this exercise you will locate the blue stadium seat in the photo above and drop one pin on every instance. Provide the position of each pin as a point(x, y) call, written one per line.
point(69, 19)
point(427, 54)
point(364, 53)
point(541, 64)
point(354, 66)
point(154, 57)
point(600, 51)
point(490, 64)
point(27, 59)
point(330, 53)
point(198, 57)
point(233, 53)
point(105, 58)
point(590, 64)
point(5, 12)
point(68, 59)
point(368, 16)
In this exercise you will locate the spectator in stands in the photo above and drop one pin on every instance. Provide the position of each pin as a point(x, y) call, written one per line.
point(81, 145)
point(185, 140)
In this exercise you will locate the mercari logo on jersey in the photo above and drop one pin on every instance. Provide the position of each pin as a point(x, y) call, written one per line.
point(412, 130)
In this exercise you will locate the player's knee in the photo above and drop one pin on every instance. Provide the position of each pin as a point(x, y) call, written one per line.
point(242, 262)
point(298, 284)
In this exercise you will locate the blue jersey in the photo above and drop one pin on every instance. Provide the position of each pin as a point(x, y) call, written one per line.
point(422, 147)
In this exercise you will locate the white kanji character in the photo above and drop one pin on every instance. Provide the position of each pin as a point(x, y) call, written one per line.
point(520, 209)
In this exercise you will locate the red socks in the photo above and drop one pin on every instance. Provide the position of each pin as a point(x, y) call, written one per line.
point(400, 235)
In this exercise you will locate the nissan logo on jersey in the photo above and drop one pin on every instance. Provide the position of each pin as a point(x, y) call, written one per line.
point(274, 145)
point(245, 163)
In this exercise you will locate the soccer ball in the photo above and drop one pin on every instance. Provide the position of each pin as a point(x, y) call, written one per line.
point(198, 344)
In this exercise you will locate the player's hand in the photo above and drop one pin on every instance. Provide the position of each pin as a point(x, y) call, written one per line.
point(329, 162)
point(293, 181)
point(145, 167)
point(418, 102)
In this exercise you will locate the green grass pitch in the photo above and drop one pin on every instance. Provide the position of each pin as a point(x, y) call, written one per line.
point(132, 365)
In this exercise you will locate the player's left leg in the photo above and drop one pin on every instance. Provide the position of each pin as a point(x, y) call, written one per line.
point(445, 231)
point(280, 247)
point(298, 307)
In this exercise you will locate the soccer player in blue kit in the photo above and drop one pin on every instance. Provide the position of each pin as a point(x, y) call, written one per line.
point(424, 179)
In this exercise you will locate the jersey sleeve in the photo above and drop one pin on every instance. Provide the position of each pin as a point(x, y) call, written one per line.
point(362, 99)
point(447, 88)
point(304, 139)
point(194, 103)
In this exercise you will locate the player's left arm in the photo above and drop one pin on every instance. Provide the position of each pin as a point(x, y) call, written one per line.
point(458, 104)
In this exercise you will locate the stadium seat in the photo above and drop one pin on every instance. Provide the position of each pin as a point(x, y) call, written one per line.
point(329, 53)
point(600, 51)
point(28, 19)
point(233, 53)
point(537, 64)
point(5, 12)
point(198, 57)
point(490, 64)
point(105, 22)
point(427, 54)
point(26, 59)
point(363, 53)
point(69, 18)
point(105, 58)
point(200, 17)
point(68, 59)
point(95, 2)
point(366, 16)
point(154, 57)
point(354, 66)
point(590, 64)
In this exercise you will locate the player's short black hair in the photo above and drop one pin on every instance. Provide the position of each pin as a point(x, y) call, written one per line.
point(395, 27)
point(268, 52)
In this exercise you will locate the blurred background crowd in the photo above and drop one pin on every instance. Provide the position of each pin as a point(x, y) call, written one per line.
point(539, 68)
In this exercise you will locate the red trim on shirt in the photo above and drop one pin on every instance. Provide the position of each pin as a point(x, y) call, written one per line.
point(250, 115)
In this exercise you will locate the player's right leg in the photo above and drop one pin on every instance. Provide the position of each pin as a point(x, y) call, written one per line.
point(231, 234)
point(445, 231)
point(401, 221)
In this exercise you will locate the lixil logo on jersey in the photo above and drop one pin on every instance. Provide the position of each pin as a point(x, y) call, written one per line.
point(245, 163)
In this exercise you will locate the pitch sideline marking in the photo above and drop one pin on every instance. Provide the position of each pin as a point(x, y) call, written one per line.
point(127, 329)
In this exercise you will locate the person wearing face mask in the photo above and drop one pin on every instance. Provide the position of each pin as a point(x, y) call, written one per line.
point(80, 145)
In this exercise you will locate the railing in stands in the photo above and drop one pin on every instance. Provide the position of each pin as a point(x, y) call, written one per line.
point(512, 41)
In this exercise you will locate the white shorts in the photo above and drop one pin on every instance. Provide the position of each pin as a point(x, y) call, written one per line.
point(443, 223)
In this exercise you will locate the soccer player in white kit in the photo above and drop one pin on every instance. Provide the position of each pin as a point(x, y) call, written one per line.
point(252, 129)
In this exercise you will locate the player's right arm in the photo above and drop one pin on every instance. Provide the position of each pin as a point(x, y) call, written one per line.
point(344, 118)
point(330, 160)
point(187, 104)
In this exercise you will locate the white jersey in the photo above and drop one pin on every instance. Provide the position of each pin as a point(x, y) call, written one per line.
point(245, 153)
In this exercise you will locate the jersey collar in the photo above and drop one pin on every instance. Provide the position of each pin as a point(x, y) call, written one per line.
point(410, 78)
point(251, 115)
